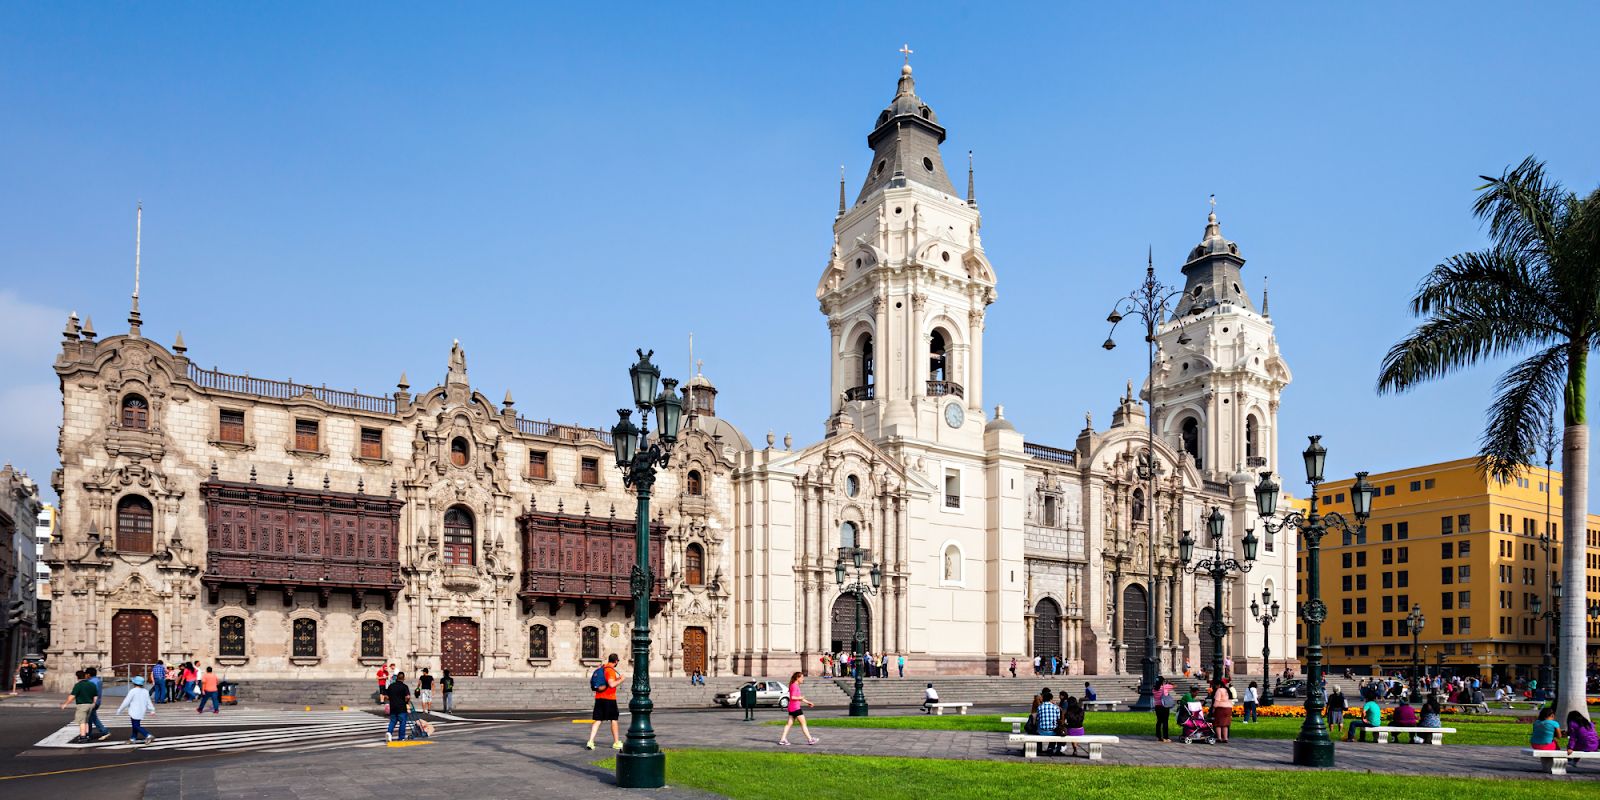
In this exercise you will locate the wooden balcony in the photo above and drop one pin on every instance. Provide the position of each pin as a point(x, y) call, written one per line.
point(584, 560)
point(301, 539)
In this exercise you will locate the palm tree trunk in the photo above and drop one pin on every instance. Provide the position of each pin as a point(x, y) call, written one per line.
point(1575, 513)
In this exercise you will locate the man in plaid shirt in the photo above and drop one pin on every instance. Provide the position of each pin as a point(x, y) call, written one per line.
point(1049, 714)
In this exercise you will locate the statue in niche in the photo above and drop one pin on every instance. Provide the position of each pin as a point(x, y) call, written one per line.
point(950, 564)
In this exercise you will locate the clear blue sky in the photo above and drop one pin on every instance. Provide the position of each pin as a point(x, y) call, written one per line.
point(334, 193)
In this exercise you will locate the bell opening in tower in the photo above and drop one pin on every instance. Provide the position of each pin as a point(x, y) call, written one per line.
point(936, 357)
point(1191, 440)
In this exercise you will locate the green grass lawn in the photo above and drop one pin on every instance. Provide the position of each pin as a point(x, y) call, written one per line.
point(1469, 730)
point(803, 776)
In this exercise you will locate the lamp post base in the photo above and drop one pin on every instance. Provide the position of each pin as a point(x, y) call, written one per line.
point(858, 706)
point(1313, 754)
point(1146, 701)
point(641, 770)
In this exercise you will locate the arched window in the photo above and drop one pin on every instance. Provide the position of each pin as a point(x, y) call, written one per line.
point(952, 567)
point(538, 642)
point(458, 451)
point(691, 484)
point(458, 547)
point(694, 565)
point(135, 525)
point(230, 637)
point(852, 485)
point(847, 535)
point(1050, 512)
point(1250, 436)
point(866, 360)
point(1138, 505)
point(371, 638)
point(591, 643)
point(135, 412)
point(305, 638)
point(937, 362)
point(1191, 439)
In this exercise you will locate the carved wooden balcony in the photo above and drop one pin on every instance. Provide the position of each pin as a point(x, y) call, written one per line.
point(301, 540)
point(584, 560)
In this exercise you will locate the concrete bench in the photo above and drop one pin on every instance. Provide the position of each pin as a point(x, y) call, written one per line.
point(1555, 761)
point(1383, 732)
point(1472, 708)
point(1016, 723)
point(1110, 705)
point(1030, 744)
point(938, 708)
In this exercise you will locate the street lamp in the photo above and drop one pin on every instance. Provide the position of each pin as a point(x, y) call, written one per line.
point(858, 702)
point(1151, 303)
point(1551, 618)
point(1416, 621)
point(1313, 748)
point(1218, 567)
point(641, 764)
point(1266, 618)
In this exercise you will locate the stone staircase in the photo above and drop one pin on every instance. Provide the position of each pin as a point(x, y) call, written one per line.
point(553, 694)
point(980, 689)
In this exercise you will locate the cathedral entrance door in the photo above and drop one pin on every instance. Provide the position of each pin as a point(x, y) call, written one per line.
point(1135, 626)
point(135, 643)
point(460, 640)
point(694, 650)
point(1047, 629)
point(1208, 645)
point(844, 625)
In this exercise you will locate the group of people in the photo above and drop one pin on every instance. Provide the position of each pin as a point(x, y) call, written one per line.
point(1053, 716)
point(871, 665)
point(423, 694)
point(1191, 710)
point(139, 703)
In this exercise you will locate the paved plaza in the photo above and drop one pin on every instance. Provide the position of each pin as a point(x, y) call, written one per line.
point(548, 758)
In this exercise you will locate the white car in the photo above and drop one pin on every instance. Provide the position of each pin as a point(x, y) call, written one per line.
point(768, 693)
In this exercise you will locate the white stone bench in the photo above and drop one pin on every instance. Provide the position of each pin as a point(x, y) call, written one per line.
point(1030, 744)
point(1111, 705)
point(1016, 723)
point(1555, 761)
point(938, 708)
point(1383, 732)
point(1472, 708)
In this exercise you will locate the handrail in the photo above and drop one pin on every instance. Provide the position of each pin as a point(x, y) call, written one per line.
point(859, 392)
point(1055, 454)
point(569, 433)
point(941, 388)
point(284, 390)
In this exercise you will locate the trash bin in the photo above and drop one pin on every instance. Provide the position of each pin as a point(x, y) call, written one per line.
point(229, 691)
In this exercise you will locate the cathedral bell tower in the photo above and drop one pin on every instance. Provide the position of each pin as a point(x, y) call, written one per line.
point(905, 290)
point(1216, 396)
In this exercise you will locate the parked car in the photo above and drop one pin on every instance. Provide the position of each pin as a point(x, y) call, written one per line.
point(1295, 688)
point(768, 693)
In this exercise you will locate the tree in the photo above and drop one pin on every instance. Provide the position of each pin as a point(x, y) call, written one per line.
point(1533, 293)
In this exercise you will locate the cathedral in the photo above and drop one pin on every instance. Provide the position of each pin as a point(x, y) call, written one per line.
point(293, 531)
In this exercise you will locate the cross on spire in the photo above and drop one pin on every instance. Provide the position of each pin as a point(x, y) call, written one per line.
point(906, 48)
point(698, 365)
point(1213, 204)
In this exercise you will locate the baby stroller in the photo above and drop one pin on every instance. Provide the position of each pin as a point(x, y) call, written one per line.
point(421, 729)
point(1192, 720)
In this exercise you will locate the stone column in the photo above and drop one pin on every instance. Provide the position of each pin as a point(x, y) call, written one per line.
point(881, 367)
point(836, 366)
point(974, 385)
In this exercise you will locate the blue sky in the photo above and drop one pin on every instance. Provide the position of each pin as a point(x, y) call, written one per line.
point(333, 194)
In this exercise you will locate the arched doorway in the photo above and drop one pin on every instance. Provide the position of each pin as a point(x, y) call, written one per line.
point(694, 650)
point(844, 625)
point(460, 639)
point(1208, 645)
point(135, 642)
point(1135, 626)
point(1047, 629)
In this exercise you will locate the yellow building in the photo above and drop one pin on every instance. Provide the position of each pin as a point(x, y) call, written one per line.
point(1463, 547)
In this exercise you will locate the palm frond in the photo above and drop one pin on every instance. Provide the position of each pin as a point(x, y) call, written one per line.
point(1525, 397)
point(1493, 280)
point(1523, 207)
point(1452, 340)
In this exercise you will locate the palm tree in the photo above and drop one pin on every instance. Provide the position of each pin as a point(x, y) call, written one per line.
point(1535, 293)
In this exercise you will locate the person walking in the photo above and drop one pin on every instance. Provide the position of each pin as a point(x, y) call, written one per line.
point(447, 684)
point(83, 695)
point(383, 678)
point(1166, 701)
point(1251, 698)
point(399, 696)
point(137, 704)
point(1036, 662)
point(796, 697)
point(1336, 706)
point(188, 681)
point(1013, 668)
point(158, 682)
point(425, 691)
point(1222, 711)
point(1186, 668)
point(100, 732)
point(208, 691)
point(902, 658)
point(604, 682)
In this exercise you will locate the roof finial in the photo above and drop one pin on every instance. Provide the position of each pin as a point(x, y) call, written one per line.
point(1264, 297)
point(402, 384)
point(841, 192)
point(88, 328)
point(972, 199)
point(1213, 208)
point(138, 236)
point(178, 346)
point(73, 328)
point(1150, 260)
point(899, 177)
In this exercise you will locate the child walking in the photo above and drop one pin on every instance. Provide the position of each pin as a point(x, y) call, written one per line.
point(795, 699)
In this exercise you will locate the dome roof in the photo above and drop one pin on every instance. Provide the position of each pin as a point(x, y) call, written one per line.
point(1213, 243)
point(717, 426)
point(999, 423)
point(700, 381)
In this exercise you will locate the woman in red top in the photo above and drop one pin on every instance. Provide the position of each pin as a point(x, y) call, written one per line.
point(795, 699)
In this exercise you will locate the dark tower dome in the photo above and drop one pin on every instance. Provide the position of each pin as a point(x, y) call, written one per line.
point(905, 144)
point(1213, 269)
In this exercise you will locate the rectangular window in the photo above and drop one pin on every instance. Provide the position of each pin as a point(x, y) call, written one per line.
point(1402, 602)
point(1361, 582)
point(231, 426)
point(1388, 490)
point(1361, 605)
point(1361, 558)
point(1448, 625)
point(1361, 536)
point(1362, 650)
point(1348, 538)
point(1447, 525)
point(1388, 604)
point(371, 443)
point(1463, 599)
point(1388, 580)
point(1388, 531)
point(1349, 650)
point(305, 435)
point(305, 638)
point(952, 487)
point(1297, 563)
point(1447, 576)
point(1349, 630)
point(1348, 559)
point(1402, 555)
point(1463, 549)
point(1388, 555)
point(1446, 549)
point(1403, 579)
point(1361, 630)
point(590, 473)
point(1464, 573)
point(1416, 486)
point(1464, 523)
point(538, 465)
point(1403, 629)
point(1347, 606)
point(1447, 600)
point(1402, 530)
point(1298, 589)
point(1346, 582)
point(1427, 484)
point(1338, 498)
point(1388, 649)
point(1388, 629)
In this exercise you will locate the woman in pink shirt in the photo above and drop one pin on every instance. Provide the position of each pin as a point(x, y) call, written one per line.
point(795, 699)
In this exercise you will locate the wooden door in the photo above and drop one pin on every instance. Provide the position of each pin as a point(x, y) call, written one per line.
point(460, 638)
point(135, 643)
point(694, 650)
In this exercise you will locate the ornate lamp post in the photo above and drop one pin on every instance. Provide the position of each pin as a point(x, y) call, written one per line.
point(1266, 618)
point(858, 702)
point(641, 764)
point(1313, 748)
point(1552, 619)
point(1416, 621)
point(1218, 567)
point(1149, 302)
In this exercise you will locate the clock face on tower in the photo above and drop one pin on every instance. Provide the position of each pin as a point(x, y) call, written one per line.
point(954, 415)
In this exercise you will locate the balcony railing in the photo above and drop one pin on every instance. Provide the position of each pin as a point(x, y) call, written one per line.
point(1050, 453)
point(568, 433)
point(859, 393)
point(942, 388)
point(283, 390)
point(1255, 461)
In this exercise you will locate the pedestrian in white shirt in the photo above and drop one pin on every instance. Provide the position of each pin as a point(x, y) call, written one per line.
point(138, 705)
point(929, 697)
point(1251, 699)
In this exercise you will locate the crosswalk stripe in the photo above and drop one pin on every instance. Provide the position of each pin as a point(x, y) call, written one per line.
point(285, 732)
